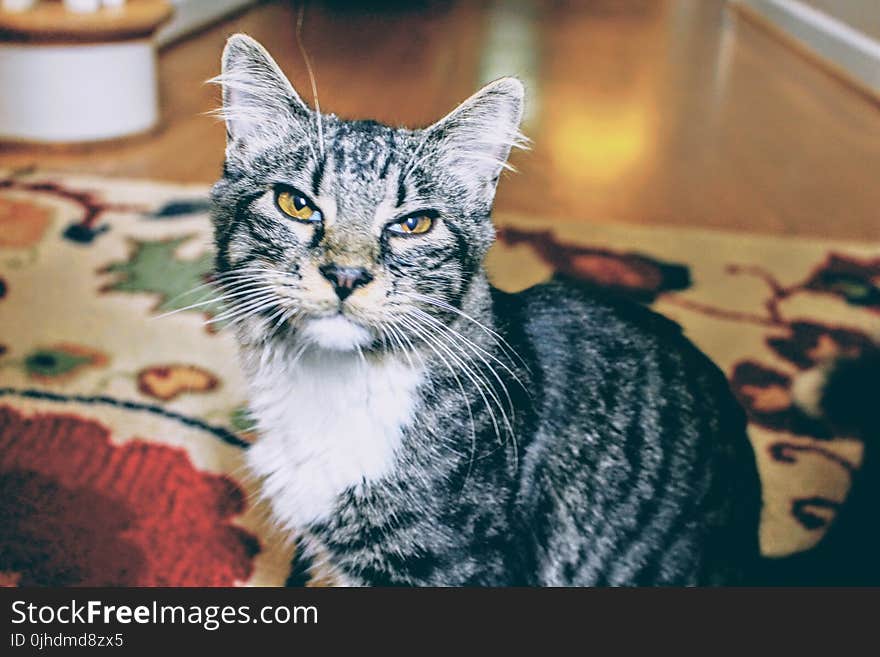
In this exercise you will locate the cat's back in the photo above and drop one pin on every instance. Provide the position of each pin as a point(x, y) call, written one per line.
point(640, 470)
point(577, 329)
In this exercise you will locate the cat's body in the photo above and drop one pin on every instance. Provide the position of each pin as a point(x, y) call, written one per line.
point(422, 428)
point(639, 475)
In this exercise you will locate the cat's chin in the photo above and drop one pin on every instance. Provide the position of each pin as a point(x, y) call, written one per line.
point(337, 333)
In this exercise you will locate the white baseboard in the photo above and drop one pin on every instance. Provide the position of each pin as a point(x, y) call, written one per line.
point(844, 47)
point(190, 15)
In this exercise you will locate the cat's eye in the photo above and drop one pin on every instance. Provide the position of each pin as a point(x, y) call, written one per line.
point(413, 225)
point(296, 206)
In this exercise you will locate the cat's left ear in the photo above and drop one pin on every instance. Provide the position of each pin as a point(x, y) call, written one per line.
point(258, 99)
point(473, 141)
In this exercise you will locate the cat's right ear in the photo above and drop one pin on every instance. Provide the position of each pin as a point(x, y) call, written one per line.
point(258, 100)
point(474, 140)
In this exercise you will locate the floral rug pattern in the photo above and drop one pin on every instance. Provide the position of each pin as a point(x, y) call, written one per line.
point(122, 427)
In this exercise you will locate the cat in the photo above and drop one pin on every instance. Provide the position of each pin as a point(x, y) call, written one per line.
point(416, 425)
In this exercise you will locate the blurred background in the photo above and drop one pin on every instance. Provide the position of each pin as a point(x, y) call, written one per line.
point(757, 115)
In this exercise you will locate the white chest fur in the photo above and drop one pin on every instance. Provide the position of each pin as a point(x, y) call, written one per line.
point(327, 423)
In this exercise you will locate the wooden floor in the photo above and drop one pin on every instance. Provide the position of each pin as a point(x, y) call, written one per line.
point(647, 111)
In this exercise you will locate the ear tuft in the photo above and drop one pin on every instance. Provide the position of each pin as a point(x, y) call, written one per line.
point(477, 136)
point(257, 97)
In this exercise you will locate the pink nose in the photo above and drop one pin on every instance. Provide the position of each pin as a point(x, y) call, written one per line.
point(345, 279)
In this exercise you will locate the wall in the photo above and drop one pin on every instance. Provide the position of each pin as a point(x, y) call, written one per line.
point(863, 15)
point(843, 33)
point(190, 15)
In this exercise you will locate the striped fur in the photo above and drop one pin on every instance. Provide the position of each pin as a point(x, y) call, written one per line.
point(553, 437)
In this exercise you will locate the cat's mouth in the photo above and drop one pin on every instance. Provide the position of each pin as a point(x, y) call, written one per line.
point(336, 333)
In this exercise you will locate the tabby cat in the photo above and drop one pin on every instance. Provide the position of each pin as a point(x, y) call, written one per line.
point(418, 426)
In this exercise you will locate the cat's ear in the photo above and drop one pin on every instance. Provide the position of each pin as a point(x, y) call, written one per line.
point(257, 97)
point(475, 139)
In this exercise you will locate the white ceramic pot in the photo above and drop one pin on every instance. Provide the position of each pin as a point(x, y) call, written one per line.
point(77, 92)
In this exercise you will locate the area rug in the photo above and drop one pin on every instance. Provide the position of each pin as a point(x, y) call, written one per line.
point(121, 432)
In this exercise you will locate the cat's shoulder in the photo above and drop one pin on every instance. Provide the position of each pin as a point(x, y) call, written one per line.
point(565, 320)
point(570, 304)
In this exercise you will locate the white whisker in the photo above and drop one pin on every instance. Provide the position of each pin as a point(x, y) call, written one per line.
point(429, 339)
point(311, 72)
point(267, 299)
point(504, 344)
point(464, 397)
point(220, 299)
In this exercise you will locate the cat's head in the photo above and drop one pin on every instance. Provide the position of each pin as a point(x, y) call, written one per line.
point(351, 234)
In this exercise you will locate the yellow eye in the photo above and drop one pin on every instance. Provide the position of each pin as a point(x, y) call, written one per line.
point(414, 225)
point(297, 206)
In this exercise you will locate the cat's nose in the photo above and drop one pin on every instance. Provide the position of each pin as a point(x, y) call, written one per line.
point(345, 279)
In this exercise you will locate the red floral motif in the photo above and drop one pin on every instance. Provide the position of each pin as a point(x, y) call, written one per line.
point(854, 280)
point(633, 274)
point(809, 344)
point(91, 205)
point(77, 510)
point(785, 452)
point(764, 393)
point(22, 223)
point(9, 580)
point(814, 512)
point(167, 382)
point(3, 291)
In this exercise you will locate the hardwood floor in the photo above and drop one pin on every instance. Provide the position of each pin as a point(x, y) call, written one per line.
point(670, 112)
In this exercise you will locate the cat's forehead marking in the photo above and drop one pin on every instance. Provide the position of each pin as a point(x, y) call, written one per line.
point(364, 159)
point(363, 148)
